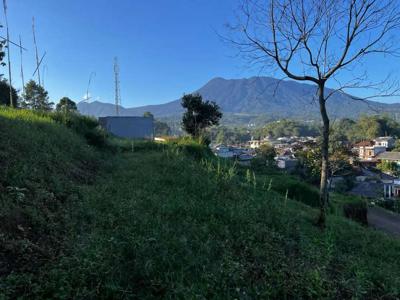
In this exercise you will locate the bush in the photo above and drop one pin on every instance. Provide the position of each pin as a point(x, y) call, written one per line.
point(189, 146)
point(389, 204)
point(356, 211)
point(290, 186)
point(85, 126)
point(351, 207)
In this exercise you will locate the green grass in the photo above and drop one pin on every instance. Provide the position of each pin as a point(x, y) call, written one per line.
point(40, 164)
point(164, 223)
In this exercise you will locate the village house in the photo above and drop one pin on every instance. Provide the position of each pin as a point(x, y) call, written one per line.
point(286, 162)
point(255, 144)
point(367, 150)
point(385, 141)
point(391, 188)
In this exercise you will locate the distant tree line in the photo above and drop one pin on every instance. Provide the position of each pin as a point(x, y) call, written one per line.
point(365, 128)
point(287, 128)
point(229, 135)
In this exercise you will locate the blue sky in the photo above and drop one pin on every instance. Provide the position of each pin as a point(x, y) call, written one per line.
point(165, 47)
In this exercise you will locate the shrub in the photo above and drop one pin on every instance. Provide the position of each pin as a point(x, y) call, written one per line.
point(295, 189)
point(85, 126)
point(351, 207)
point(356, 211)
point(192, 147)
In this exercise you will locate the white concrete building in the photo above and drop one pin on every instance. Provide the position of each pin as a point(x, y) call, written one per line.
point(385, 141)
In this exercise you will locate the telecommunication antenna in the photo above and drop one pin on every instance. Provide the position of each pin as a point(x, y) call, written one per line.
point(87, 95)
point(117, 90)
point(22, 68)
point(36, 49)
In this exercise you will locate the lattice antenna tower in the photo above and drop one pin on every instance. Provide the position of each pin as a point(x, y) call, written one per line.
point(117, 89)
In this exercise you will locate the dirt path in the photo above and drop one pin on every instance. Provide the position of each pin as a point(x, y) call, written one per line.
point(384, 220)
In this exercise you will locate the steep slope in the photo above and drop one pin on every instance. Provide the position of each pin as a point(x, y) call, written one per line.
point(41, 164)
point(258, 96)
point(166, 221)
point(163, 225)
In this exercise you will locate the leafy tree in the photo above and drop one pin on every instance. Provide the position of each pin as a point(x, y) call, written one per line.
point(161, 128)
point(36, 97)
point(287, 128)
point(370, 127)
point(267, 152)
point(148, 114)
point(389, 167)
point(5, 93)
point(339, 163)
point(341, 131)
point(66, 105)
point(230, 136)
point(199, 114)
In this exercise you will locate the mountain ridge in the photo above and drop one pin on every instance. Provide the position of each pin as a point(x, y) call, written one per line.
point(256, 96)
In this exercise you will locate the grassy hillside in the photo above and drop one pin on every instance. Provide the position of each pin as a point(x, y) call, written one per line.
point(166, 222)
point(40, 164)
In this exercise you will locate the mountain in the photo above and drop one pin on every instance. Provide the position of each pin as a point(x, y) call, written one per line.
point(256, 96)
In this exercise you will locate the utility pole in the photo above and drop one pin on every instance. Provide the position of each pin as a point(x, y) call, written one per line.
point(36, 49)
point(8, 53)
point(117, 90)
point(43, 73)
point(22, 68)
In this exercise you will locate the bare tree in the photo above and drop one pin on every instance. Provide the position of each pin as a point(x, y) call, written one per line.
point(314, 41)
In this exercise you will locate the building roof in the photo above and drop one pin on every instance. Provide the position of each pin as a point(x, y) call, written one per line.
point(389, 155)
point(364, 144)
point(384, 138)
point(367, 189)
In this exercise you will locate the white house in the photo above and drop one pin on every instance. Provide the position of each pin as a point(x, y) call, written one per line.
point(385, 141)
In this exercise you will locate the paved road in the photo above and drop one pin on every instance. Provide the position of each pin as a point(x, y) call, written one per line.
point(384, 220)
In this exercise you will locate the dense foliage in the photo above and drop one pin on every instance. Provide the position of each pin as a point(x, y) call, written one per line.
point(199, 114)
point(390, 167)
point(66, 105)
point(287, 128)
point(366, 128)
point(229, 136)
point(310, 161)
point(36, 97)
point(5, 94)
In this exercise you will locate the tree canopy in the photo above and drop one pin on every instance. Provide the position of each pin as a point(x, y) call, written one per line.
point(199, 114)
point(148, 114)
point(36, 97)
point(5, 93)
point(66, 105)
point(288, 128)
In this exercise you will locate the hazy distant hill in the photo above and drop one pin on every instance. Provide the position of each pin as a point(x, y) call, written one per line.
point(256, 96)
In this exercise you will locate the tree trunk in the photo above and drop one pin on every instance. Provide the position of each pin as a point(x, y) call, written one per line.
point(323, 193)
